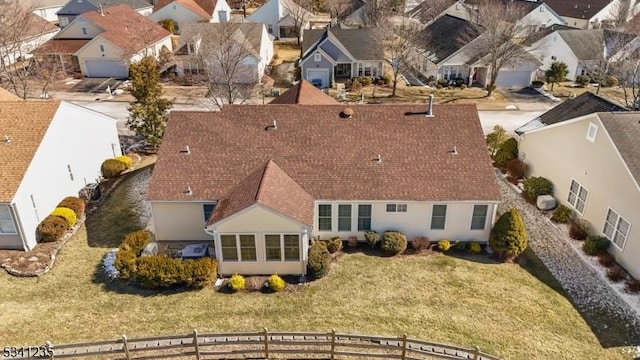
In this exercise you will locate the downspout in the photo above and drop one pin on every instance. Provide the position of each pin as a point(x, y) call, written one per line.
point(16, 219)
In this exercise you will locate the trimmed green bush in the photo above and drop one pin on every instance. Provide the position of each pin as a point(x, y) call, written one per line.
point(236, 283)
point(595, 245)
point(561, 214)
point(168, 25)
point(372, 238)
point(276, 284)
point(582, 80)
point(128, 252)
point(319, 260)
point(161, 271)
point(51, 228)
point(475, 248)
point(67, 214)
point(74, 203)
point(393, 242)
point(112, 168)
point(444, 245)
point(537, 186)
point(125, 160)
point(334, 245)
point(508, 238)
point(507, 151)
point(611, 81)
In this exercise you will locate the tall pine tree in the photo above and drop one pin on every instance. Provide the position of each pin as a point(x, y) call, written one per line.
point(149, 112)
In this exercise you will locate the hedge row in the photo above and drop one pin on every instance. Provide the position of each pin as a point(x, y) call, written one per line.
point(63, 217)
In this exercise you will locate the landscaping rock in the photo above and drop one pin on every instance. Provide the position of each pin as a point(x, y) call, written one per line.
point(33, 258)
point(546, 202)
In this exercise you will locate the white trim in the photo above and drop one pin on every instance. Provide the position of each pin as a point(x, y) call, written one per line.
point(281, 234)
point(249, 208)
point(239, 246)
point(580, 187)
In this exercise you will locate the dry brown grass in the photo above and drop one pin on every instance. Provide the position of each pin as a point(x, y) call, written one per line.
point(287, 51)
point(565, 89)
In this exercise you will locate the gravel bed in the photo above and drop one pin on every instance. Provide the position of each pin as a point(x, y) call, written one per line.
point(592, 296)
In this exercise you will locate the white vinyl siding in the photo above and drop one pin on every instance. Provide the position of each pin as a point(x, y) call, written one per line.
point(344, 217)
point(438, 217)
point(479, 217)
point(616, 228)
point(7, 226)
point(577, 196)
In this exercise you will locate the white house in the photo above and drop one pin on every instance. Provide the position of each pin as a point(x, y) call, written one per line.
point(46, 9)
point(191, 11)
point(592, 161)
point(16, 44)
point(592, 14)
point(41, 165)
point(73, 8)
point(281, 17)
point(259, 182)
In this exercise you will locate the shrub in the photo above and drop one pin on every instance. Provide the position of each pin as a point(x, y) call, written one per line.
point(366, 81)
point(508, 238)
point(200, 273)
point(421, 243)
point(444, 245)
point(161, 271)
point(496, 138)
point(611, 81)
point(276, 284)
point(616, 273)
point(393, 242)
point(561, 214)
point(356, 85)
point(579, 230)
point(125, 160)
point(537, 84)
point(475, 248)
point(386, 78)
point(129, 250)
point(595, 245)
point(168, 25)
point(443, 82)
point(507, 151)
point(605, 259)
point(463, 86)
point(460, 245)
point(75, 204)
point(334, 245)
point(372, 237)
point(318, 263)
point(537, 186)
point(582, 80)
point(236, 283)
point(517, 168)
point(632, 285)
point(112, 168)
point(67, 214)
point(52, 228)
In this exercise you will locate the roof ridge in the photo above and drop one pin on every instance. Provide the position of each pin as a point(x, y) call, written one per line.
point(261, 189)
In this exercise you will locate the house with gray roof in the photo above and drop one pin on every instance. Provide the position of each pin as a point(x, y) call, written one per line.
point(591, 14)
point(73, 8)
point(593, 162)
point(332, 54)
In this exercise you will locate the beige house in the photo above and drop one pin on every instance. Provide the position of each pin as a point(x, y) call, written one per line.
point(593, 162)
point(258, 183)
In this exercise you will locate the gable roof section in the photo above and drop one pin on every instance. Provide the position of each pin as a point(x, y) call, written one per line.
point(203, 8)
point(624, 130)
point(73, 7)
point(247, 33)
point(428, 11)
point(589, 44)
point(330, 157)
point(271, 187)
point(5, 95)
point(23, 24)
point(122, 26)
point(361, 43)
point(304, 93)
point(442, 38)
point(584, 104)
point(579, 9)
point(25, 123)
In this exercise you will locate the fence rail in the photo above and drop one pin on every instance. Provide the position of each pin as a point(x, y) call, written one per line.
point(262, 345)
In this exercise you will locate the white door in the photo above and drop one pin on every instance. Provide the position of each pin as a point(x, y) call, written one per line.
point(514, 78)
point(106, 69)
point(318, 77)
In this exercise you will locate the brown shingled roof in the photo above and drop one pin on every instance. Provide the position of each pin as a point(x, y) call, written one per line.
point(197, 7)
point(24, 123)
point(328, 156)
point(270, 187)
point(304, 93)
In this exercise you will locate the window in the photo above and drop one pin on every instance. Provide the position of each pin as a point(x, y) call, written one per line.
point(592, 132)
point(279, 247)
point(7, 226)
point(228, 247)
point(364, 217)
point(248, 248)
point(438, 217)
point(344, 217)
point(396, 207)
point(222, 15)
point(479, 217)
point(101, 47)
point(191, 48)
point(317, 57)
point(324, 217)
point(291, 247)
point(84, 30)
point(270, 28)
point(207, 209)
point(70, 172)
point(230, 243)
point(577, 196)
point(272, 247)
point(616, 228)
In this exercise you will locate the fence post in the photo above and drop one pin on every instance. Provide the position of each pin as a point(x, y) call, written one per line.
point(266, 343)
point(476, 353)
point(333, 343)
point(404, 346)
point(50, 348)
point(125, 347)
point(195, 343)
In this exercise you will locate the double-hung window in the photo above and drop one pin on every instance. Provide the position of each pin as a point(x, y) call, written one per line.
point(344, 217)
point(616, 228)
point(479, 217)
point(438, 217)
point(364, 217)
point(207, 209)
point(324, 217)
point(282, 247)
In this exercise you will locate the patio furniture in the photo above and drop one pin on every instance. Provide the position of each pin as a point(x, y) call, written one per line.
point(195, 251)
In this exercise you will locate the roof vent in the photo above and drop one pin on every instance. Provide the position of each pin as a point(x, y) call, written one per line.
point(186, 150)
point(430, 109)
point(378, 159)
point(188, 191)
point(6, 140)
point(346, 113)
point(274, 126)
point(454, 151)
point(101, 10)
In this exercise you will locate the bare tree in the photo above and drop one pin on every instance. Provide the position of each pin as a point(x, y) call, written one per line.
point(627, 70)
point(399, 41)
point(300, 14)
point(339, 9)
point(620, 13)
point(428, 11)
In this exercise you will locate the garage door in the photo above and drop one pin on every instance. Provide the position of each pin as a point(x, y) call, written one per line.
point(508, 78)
point(106, 68)
point(318, 77)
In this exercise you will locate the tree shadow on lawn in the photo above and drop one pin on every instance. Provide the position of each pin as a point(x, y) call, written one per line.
point(610, 330)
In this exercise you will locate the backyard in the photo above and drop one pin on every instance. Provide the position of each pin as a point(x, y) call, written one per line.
point(511, 311)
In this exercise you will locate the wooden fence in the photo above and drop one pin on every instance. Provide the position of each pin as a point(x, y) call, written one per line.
point(265, 345)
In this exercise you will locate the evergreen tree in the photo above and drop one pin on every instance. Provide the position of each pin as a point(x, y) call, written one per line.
point(556, 73)
point(496, 139)
point(148, 113)
point(508, 237)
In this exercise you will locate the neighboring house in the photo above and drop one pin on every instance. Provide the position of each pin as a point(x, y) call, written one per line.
point(41, 166)
point(105, 42)
point(590, 14)
point(583, 50)
point(281, 17)
point(331, 54)
point(16, 45)
point(304, 93)
point(191, 11)
point(427, 11)
point(258, 46)
point(260, 182)
point(46, 9)
point(593, 163)
point(584, 104)
point(74, 8)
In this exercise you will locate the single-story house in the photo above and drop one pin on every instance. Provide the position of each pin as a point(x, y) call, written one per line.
point(38, 170)
point(304, 93)
point(331, 54)
point(593, 163)
point(258, 183)
point(191, 11)
point(46, 9)
point(591, 14)
point(24, 32)
point(281, 17)
point(74, 8)
point(105, 42)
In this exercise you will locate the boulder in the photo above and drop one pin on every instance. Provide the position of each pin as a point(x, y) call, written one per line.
point(546, 202)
